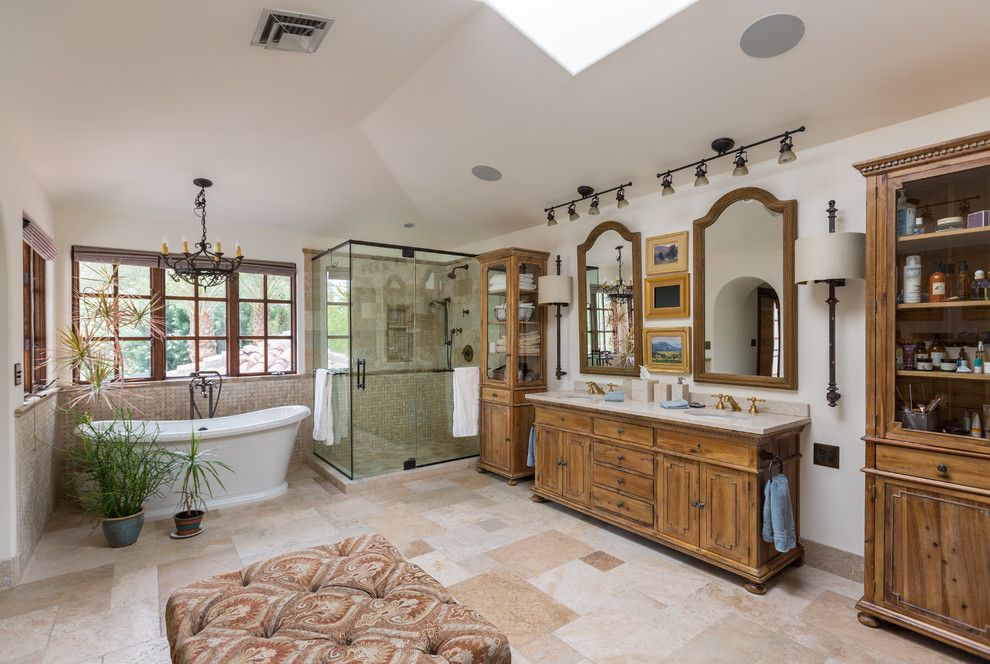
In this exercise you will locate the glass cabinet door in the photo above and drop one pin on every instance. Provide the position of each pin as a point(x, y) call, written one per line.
point(495, 282)
point(939, 229)
point(529, 324)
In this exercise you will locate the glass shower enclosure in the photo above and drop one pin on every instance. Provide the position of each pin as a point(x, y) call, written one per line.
point(391, 323)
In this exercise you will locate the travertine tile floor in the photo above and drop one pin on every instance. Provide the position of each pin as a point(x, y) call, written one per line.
point(564, 588)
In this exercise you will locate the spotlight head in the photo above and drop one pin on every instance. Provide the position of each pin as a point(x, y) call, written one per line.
point(550, 219)
point(700, 175)
point(786, 150)
point(666, 184)
point(594, 206)
point(572, 213)
point(740, 162)
point(620, 198)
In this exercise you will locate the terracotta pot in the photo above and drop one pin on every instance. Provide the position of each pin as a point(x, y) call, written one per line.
point(188, 524)
point(123, 531)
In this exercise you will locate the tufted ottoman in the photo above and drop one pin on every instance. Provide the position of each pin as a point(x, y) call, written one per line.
point(354, 601)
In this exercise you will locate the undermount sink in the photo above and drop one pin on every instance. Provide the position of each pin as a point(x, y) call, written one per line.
point(712, 414)
point(576, 397)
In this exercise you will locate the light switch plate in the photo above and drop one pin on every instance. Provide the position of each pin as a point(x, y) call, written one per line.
point(18, 374)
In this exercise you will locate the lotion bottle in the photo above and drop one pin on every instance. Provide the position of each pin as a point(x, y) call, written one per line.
point(912, 280)
point(936, 284)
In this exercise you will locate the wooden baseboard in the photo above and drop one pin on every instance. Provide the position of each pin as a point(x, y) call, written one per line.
point(921, 627)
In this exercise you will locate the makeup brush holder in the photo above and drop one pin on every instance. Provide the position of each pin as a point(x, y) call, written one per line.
point(920, 421)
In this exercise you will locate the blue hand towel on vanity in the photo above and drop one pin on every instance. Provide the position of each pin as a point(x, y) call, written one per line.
point(531, 454)
point(778, 518)
point(615, 395)
point(675, 404)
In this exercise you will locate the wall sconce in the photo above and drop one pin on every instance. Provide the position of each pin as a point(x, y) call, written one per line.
point(830, 259)
point(555, 290)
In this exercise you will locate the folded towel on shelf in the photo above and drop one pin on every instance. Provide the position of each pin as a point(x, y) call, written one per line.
point(466, 388)
point(778, 518)
point(496, 281)
point(323, 407)
point(531, 454)
point(675, 404)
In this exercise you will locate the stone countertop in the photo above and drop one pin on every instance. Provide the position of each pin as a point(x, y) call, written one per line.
point(761, 425)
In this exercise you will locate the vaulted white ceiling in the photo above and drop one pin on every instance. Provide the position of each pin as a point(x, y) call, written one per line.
point(118, 105)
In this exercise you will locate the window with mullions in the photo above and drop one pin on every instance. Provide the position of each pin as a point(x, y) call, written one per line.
point(338, 322)
point(264, 313)
point(195, 328)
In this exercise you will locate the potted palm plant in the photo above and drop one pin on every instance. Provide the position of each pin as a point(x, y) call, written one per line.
point(113, 470)
point(196, 468)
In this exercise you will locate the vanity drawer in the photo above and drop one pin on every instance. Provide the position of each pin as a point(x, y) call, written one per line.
point(563, 420)
point(629, 508)
point(710, 449)
point(637, 462)
point(496, 395)
point(933, 465)
point(623, 482)
point(630, 433)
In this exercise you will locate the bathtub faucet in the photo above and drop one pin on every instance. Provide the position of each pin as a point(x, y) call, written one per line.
point(209, 384)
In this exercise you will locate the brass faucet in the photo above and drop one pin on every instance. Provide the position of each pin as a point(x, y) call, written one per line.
point(721, 401)
point(594, 388)
point(732, 402)
point(753, 410)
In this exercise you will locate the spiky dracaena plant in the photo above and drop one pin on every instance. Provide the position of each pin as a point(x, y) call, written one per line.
point(91, 349)
point(197, 468)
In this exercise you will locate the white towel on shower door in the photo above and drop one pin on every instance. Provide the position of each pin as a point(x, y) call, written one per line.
point(323, 407)
point(467, 382)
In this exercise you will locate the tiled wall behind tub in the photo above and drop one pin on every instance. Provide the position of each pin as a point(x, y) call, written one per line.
point(169, 400)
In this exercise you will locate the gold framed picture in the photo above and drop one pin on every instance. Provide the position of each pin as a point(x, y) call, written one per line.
point(668, 350)
point(667, 253)
point(667, 296)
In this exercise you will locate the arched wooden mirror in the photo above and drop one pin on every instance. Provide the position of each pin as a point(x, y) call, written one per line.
point(610, 292)
point(745, 314)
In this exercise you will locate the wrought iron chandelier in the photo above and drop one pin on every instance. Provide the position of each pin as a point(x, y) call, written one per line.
point(618, 292)
point(205, 267)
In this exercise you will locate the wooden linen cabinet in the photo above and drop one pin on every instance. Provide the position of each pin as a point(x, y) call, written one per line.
point(927, 562)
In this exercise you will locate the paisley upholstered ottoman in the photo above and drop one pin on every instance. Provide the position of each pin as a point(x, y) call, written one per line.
point(354, 601)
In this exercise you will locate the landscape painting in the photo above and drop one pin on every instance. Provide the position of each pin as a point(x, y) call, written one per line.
point(666, 253)
point(667, 350)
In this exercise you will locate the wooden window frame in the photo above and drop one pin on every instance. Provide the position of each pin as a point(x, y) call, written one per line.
point(35, 320)
point(232, 336)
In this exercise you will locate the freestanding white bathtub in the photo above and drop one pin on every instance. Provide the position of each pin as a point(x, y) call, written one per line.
point(257, 446)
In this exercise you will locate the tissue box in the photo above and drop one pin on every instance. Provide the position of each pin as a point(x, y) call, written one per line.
point(978, 219)
point(642, 390)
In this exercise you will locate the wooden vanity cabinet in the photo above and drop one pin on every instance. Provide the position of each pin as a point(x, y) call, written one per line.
point(692, 488)
point(927, 541)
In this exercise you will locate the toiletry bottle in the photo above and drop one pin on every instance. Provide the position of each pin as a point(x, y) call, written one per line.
point(919, 225)
point(978, 358)
point(905, 215)
point(912, 280)
point(980, 290)
point(963, 361)
point(963, 280)
point(975, 430)
point(936, 284)
point(937, 351)
point(909, 349)
point(922, 360)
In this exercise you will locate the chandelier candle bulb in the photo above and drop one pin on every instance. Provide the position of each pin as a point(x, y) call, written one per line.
point(185, 245)
point(219, 250)
point(164, 247)
point(237, 248)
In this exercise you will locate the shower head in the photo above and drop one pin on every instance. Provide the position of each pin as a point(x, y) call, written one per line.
point(453, 273)
point(444, 302)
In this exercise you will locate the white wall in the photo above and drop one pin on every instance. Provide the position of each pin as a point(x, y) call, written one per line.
point(20, 194)
point(77, 226)
point(831, 500)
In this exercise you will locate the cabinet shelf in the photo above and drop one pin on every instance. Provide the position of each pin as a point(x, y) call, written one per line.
point(953, 304)
point(940, 375)
point(943, 239)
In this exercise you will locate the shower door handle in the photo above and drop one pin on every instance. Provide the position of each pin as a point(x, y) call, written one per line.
point(362, 375)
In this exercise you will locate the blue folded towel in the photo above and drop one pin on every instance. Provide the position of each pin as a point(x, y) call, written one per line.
point(674, 403)
point(531, 454)
point(615, 395)
point(778, 518)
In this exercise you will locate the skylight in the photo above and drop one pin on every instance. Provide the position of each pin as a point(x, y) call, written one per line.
point(579, 33)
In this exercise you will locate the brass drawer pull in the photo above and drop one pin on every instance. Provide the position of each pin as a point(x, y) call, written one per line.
point(942, 468)
point(620, 457)
point(620, 430)
point(620, 481)
point(620, 504)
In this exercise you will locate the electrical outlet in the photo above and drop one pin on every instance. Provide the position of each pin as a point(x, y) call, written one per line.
point(826, 455)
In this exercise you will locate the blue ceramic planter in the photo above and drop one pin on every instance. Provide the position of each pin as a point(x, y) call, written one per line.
point(123, 531)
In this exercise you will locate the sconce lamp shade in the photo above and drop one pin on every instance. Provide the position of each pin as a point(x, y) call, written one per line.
point(830, 256)
point(554, 289)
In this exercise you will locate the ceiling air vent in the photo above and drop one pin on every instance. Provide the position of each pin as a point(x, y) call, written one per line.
point(290, 31)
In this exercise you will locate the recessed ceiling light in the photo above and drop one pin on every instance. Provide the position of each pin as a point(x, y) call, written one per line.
point(408, 224)
point(486, 173)
point(772, 36)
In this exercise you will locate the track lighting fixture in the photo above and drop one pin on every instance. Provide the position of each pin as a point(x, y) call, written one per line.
point(667, 185)
point(786, 150)
point(727, 146)
point(620, 199)
point(740, 162)
point(701, 175)
point(584, 193)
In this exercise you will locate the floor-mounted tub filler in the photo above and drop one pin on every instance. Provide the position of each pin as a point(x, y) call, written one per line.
point(256, 445)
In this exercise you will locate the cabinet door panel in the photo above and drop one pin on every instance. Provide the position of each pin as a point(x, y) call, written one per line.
point(495, 432)
point(938, 557)
point(576, 455)
point(724, 508)
point(548, 458)
point(677, 494)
